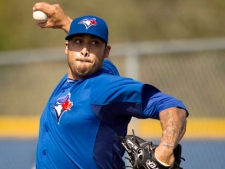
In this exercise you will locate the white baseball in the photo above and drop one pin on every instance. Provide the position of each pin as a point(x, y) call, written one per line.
point(40, 16)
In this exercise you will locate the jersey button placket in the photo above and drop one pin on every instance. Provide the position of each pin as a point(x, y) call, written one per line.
point(44, 152)
point(46, 129)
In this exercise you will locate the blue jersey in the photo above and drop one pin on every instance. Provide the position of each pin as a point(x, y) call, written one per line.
point(82, 119)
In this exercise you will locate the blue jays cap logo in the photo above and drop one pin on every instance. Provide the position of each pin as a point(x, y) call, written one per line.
point(88, 22)
point(62, 105)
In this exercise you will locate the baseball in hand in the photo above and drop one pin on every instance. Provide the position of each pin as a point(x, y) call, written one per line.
point(40, 16)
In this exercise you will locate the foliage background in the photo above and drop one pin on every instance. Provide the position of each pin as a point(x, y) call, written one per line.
point(128, 20)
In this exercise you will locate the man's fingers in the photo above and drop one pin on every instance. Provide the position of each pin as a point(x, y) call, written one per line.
point(42, 6)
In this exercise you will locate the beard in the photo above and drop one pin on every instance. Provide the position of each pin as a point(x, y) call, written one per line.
point(84, 68)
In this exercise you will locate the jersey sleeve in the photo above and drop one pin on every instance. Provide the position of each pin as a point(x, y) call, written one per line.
point(154, 103)
point(117, 96)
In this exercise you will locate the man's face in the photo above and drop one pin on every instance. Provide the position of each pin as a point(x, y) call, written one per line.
point(85, 54)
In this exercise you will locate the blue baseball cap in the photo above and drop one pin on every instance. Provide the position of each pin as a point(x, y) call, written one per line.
point(92, 25)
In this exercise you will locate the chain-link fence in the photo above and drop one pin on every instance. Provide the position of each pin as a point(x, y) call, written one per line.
point(195, 75)
point(196, 78)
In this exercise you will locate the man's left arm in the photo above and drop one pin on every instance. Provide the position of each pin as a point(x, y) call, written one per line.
point(173, 123)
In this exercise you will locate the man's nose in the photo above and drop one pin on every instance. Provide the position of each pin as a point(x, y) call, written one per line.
point(85, 52)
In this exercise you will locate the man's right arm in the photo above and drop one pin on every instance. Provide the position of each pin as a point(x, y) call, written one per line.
point(57, 18)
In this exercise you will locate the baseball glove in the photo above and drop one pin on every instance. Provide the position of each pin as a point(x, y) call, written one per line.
point(141, 154)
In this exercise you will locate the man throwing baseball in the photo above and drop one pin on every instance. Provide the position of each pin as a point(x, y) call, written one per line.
point(92, 105)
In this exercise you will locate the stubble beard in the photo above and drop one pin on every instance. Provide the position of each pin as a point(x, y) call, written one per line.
point(80, 71)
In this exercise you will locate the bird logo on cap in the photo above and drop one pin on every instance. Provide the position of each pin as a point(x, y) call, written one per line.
point(88, 22)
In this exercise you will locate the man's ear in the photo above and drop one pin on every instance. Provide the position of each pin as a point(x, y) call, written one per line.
point(107, 51)
point(66, 47)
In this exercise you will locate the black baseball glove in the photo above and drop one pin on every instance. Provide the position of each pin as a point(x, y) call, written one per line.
point(141, 154)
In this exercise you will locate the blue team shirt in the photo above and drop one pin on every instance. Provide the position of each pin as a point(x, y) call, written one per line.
point(82, 119)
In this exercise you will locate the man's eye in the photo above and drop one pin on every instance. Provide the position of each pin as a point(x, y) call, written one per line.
point(94, 42)
point(77, 41)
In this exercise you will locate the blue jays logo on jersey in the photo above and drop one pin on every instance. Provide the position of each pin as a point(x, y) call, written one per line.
point(62, 105)
point(88, 22)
